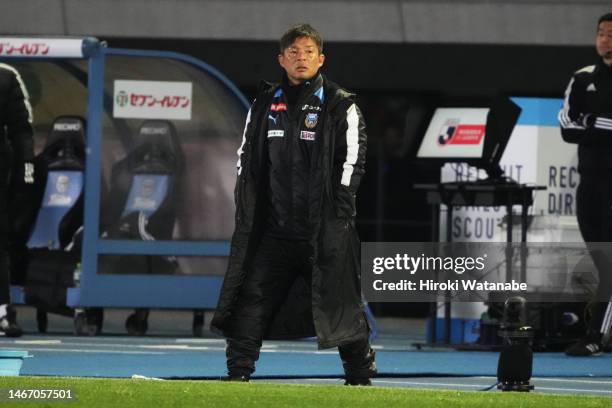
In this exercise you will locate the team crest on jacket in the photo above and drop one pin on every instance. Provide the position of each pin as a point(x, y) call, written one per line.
point(311, 120)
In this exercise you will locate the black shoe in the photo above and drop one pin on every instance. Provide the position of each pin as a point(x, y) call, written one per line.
point(358, 371)
point(358, 381)
point(585, 348)
point(236, 378)
point(9, 329)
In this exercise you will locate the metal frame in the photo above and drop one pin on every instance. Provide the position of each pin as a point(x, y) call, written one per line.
point(159, 291)
point(134, 290)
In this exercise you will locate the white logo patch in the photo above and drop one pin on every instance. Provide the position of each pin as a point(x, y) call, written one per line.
point(310, 107)
point(276, 133)
point(591, 88)
point(305, 135)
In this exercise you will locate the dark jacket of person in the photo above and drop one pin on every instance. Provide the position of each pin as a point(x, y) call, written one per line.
point(293, 123)
point(16, 148)
point(331, 308)
point(586, 118)
point(15, 117)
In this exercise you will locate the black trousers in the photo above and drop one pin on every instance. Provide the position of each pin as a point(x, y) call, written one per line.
point(276, 266)
point(594, 213)
point(4, 231)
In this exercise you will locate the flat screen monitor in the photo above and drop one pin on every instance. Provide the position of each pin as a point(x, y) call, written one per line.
point(474, 135)
point(455, 133)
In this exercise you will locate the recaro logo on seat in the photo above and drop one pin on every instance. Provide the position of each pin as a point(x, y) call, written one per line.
point(67, 126)
point(154, 131)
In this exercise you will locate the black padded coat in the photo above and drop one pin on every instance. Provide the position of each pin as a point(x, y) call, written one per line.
point(331, 308)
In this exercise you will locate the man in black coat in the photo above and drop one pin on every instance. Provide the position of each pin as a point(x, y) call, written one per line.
point(16, 171)
point(586, 119)
point(294, 261)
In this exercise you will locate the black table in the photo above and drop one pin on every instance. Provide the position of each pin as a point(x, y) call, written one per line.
point(480, 194)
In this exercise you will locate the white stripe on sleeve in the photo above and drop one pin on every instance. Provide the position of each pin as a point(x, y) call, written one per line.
point(24, 91)
point(603, 123)
point(352, 144)
point(563, 117)
point(240, 149)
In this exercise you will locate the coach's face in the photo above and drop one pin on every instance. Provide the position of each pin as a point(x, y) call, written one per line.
point(301, 60)
point(604, 41)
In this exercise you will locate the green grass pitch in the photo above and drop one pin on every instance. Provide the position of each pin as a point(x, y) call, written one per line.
point(157, 394)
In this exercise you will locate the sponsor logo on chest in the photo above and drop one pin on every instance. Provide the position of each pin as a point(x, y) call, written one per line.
point(311, 108)
point(278, 107)
point(306, 135)
point(276, 133)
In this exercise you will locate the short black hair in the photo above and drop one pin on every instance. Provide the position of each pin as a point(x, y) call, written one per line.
point(605, 17)
point(301, 30)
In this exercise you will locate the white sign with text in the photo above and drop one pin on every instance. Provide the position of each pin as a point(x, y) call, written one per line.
point(41, 47)
point(152, 100)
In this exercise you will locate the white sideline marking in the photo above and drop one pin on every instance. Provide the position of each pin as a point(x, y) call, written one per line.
point(43, 342)
point(129, 346)
point(196, 341)
point(174, 347)
point(559, 380)
point(431, 383)
point(64, 350)
point(144, 377)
